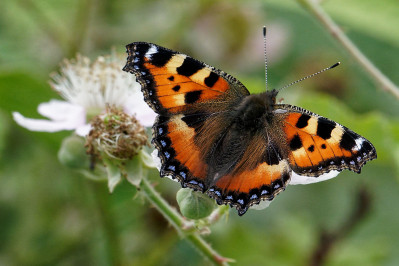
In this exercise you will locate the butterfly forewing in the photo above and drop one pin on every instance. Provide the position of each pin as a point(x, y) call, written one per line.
point(173, 82)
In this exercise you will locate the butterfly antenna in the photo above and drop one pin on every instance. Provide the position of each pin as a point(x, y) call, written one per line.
point(264, 44)
point(310, 76)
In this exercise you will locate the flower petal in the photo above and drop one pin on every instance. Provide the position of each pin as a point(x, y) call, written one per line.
point(84, 130)
point(61, 111)
point(63, 116)
point(297, 179)
point(135, 105)
point(262, 205)
point(42, 124)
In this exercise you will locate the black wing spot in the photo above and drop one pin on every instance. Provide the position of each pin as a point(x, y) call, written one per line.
point(176, 88)
point(325, 127)
point(302, 121)
point(161, 58)
point(192, 96)
point(311, 148)
point(195, 120)
point(348, 141)
point(189, 67)
point(171, 78)
point(296, 143)
point(323, 146)
point(211, 79)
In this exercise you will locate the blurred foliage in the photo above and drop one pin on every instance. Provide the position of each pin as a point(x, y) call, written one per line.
point(50, 215)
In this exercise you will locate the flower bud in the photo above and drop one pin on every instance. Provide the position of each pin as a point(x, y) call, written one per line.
point(193, 204)
point(72, 152)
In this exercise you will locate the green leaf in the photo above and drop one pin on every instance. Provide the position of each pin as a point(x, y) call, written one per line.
point(193, 204)
point(146, 158)
point(135, 171)
point(72, 153)
point(113, 172)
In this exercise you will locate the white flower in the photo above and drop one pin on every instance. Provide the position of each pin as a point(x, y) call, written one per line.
point(88, 88)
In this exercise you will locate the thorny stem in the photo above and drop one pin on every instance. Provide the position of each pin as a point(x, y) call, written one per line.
point(178, 222)
point(385, 83)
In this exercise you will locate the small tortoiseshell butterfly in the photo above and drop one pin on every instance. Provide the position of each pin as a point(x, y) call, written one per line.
point(239, 148)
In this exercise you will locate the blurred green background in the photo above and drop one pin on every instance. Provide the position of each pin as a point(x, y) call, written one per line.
point(51, 215)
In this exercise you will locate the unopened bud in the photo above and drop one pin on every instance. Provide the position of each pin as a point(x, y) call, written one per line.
point(193, 204)
point(72, 152)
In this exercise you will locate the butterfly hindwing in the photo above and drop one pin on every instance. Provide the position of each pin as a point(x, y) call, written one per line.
point(318, 145)
point(181, 157)
point(260, 174)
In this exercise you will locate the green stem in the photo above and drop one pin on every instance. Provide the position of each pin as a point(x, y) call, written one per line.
point(178, 222)
point(385, 83)
point(108, 225)
point(218, 213)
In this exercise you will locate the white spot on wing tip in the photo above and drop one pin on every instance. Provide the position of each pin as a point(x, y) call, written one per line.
point(359, 144)
point(297, 179)
point(153, 49)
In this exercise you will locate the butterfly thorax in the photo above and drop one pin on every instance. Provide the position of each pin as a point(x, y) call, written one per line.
point(256, 109)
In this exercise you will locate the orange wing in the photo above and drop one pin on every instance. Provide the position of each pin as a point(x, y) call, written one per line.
point(188, 95)
point(261, 174)
point(318, 145)
point(174, 83)
point(181, 157)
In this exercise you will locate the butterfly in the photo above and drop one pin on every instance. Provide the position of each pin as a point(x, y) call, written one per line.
point(213, 136)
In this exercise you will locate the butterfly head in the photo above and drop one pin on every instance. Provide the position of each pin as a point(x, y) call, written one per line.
point(271, 98)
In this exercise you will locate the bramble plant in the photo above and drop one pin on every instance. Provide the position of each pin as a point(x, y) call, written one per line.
point(105, 107)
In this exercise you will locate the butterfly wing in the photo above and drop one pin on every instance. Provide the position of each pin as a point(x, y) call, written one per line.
point(174, 83)
point(260, 174)
point(318, 146)
point(191, 98)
